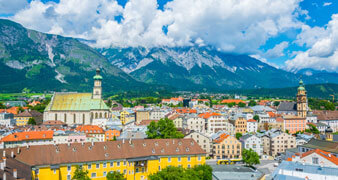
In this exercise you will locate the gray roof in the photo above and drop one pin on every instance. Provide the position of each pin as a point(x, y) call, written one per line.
point(329, 146)
point(287, 106)
point(312, 169)
point(261, 108)
point(225, 172)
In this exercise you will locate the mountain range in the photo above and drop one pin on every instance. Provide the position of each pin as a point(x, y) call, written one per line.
point(47, 62)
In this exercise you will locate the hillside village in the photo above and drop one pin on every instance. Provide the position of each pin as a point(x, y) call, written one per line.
point(81, 129)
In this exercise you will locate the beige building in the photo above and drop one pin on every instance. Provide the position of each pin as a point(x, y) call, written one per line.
point(266, 144)
point(280, 142)
point(177, 119)
point(204, 141)
point(240, 125)
point(195, 123)
point(226, 147)
point(141, 115)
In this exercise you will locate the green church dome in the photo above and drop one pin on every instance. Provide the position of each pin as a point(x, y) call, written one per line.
point(97, 76)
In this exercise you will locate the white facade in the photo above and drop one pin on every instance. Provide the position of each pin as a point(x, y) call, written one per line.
point(7, 119)
point(196, 124)
point(332, 123)
point(252, 126)
point(253, 142)
point(264, 118)
point(217, 123)
point(311, 119)
point(156, 114)
point(203, 140)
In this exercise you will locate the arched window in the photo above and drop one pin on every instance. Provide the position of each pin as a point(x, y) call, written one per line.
point(83, 118)
point(91, 115)
point(96, 116)
point(100, 115)
point(74, 118)
point(56, 117)
point(105, 115)
point(65, 117)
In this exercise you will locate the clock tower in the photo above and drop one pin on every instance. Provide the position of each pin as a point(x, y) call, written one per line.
point(97, 90)
point(302, 107)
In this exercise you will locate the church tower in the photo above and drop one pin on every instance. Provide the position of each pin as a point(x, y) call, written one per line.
point(301, 101)
point(97, 90)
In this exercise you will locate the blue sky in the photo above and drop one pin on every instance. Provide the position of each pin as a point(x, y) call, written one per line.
point(295, 35)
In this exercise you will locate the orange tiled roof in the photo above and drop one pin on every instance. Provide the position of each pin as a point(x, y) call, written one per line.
point(279, 119)
point(165, 100)
point(91, 129)
point(186, 111)
point(221, 138)
point(232, 101)
point(13, 110)
point(29, 135)
point(323, 154)
point(208, 115)
point(252, 120)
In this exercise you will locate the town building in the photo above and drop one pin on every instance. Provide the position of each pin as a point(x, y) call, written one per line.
point(112, 134)
point(240, 125)
point(26, 139)
point(329, 118)
point(253, 142)
point(195, 123)
point(7, 120)
point(328, 146)
point(23, 118)
point(302, 107)
point(203, 140)
point(236, 172)
point(136, 159)
point(92, 130)
point(279, 142)
point(142, 115)
point(156, 114)
point(292, 124)
point(316, 157)
point(78, 108)
point(227, 147)
point(252, 125)
point(217, 122)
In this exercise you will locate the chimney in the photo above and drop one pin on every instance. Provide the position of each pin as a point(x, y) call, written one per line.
point(68, 144)
point(18, 151)
point(4, 177)
point(330, 155)
point(4, 162)
point(123, 141)
point(4, 153)
point(92, 143)
point(130, 141)
point(12, 154)
point(82, 143)
point(15, 173)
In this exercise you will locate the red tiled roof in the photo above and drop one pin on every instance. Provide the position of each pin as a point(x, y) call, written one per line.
point(91, 129)
point(208, 115)
point(251, 120)
point(323, 154)
point(221, 138)
point(146, 122)
point(186, 111)
point(29, 135)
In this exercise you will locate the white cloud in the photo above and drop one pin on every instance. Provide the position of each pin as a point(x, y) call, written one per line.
point(327, 4)
point(277, 51)
point(240, 26)
point(323, 48)
point(12, 6)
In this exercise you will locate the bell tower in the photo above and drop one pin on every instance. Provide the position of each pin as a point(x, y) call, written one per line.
point(97, 90)
point(301, 101)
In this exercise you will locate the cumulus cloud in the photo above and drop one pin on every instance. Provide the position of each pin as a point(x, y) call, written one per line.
point(277, 51)
point(323, 48)
point(12, 6)
point(239, 26)
point(327, 4)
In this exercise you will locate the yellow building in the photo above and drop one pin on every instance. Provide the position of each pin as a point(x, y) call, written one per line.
point(136, 159)
point(141, 115)
point(22, 118)
point(123, 116)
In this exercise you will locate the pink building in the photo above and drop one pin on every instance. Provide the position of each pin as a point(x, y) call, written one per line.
point(294, 123)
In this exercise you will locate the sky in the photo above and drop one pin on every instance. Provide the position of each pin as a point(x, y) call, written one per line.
point(288, 34)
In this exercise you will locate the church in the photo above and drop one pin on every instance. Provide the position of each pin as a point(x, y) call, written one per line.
point(78, 108)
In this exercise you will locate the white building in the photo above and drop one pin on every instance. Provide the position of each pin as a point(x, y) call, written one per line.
point(203, 140)
point(217, 122)
point(7, 119)
point(156, 114)
point(29, 138)
point(252, 142)
point(252, 125)
point(195, 123)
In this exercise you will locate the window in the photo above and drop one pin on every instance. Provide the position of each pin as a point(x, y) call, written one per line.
point(97, 166)
point(93, 175)
point(104, 173)
point(137, 170)
point(314, 160)
point(89, 166)
point(124, 163)
point(54, 171)
point(111, 164)
point(68, 168)
point(188, 165)
point(179, 159)
point(159, 160)
point(188, 158)
point(199, 158)
point(104, 165)
point(125, 171)
point(169, 159)
point(159, 168)
point(69, 177)
point(118, 164)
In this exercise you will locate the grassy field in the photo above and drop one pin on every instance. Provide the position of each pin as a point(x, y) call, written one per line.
point(15, 96)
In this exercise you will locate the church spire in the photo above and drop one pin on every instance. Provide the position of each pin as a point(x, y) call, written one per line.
point(97, 90)
point(302, 105)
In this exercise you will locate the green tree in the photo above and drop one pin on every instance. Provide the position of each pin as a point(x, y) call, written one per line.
point(178, 173)
point(20, 110)
point(240, 104)
point(250, 157)
point(287, 131)
point(252, 103)
point(256, 117)
point(312, 129)
point(163, 129)
point(31, 121)
point(2, 106)
point(238, 135)
point(276, 103)
point(114, 138)
point(114, 175)
point(80, 174)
